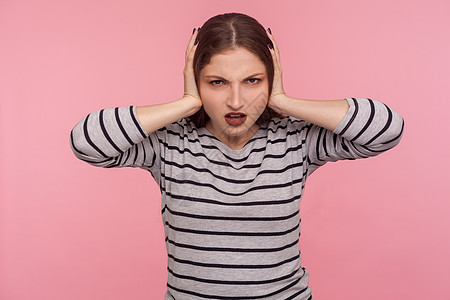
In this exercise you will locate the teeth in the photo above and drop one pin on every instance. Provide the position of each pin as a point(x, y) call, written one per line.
point(234, 116)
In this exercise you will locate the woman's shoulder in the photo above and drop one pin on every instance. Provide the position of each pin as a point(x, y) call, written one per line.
point(279, 131)
point(284, 124)
point(180, 127)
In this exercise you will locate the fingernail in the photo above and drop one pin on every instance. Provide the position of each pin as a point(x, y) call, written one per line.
point(270, 46)
point(196, 41)
point(199, 28)
point(193, 31)
point(270, 31)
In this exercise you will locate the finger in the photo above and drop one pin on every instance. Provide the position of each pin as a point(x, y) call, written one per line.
point(269, 34)
point(192, 42)
point(275, 53)
point(278, 84)
point(274, 49)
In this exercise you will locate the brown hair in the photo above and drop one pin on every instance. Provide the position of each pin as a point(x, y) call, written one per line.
point(227, 32)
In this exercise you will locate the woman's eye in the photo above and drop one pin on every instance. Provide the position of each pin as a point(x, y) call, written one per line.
point(257, 80)
point(251, 80)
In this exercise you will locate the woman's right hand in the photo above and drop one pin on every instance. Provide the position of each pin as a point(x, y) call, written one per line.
point(155, 116)
point(190, 87)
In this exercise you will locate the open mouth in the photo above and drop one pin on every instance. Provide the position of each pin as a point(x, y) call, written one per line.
point(235, 119)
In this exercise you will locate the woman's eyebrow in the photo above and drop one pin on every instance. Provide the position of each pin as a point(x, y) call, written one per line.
point(220, 77)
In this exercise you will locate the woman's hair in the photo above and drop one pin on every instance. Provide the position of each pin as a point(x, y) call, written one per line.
point(227, 32)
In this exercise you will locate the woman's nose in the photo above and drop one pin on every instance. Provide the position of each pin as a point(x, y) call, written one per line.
point(235, 100)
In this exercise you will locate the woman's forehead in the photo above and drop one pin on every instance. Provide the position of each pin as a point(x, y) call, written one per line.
point(237, 62)
point(237, 55)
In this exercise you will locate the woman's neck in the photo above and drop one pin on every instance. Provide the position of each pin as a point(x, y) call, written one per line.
point(234, 142)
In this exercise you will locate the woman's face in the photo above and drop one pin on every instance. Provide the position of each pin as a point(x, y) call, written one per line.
point(234, 91)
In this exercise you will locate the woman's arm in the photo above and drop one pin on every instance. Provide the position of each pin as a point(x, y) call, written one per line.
point(368, 128)
point(112, 137)
point(369, 123)
point(348, 128)
point(324, 113)
point(123, 136)
point(120, 137)
point(154, 117)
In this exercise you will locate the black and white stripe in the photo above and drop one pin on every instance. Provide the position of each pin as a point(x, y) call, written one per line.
point(231, 217)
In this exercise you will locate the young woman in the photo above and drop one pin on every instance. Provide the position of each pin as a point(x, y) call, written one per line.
point(231, 158)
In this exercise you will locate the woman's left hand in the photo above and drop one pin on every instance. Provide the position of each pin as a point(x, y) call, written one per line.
point(277, 88)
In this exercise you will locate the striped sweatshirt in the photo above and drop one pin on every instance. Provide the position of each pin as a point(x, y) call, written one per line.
point(231, 217)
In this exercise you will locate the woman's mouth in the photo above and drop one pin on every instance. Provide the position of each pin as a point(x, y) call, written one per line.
point(235, 119)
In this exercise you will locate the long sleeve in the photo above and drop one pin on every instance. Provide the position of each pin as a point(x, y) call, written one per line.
point(113, 137)
point(368, 129)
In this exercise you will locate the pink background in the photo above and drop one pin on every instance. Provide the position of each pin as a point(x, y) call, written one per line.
point(371, 229)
